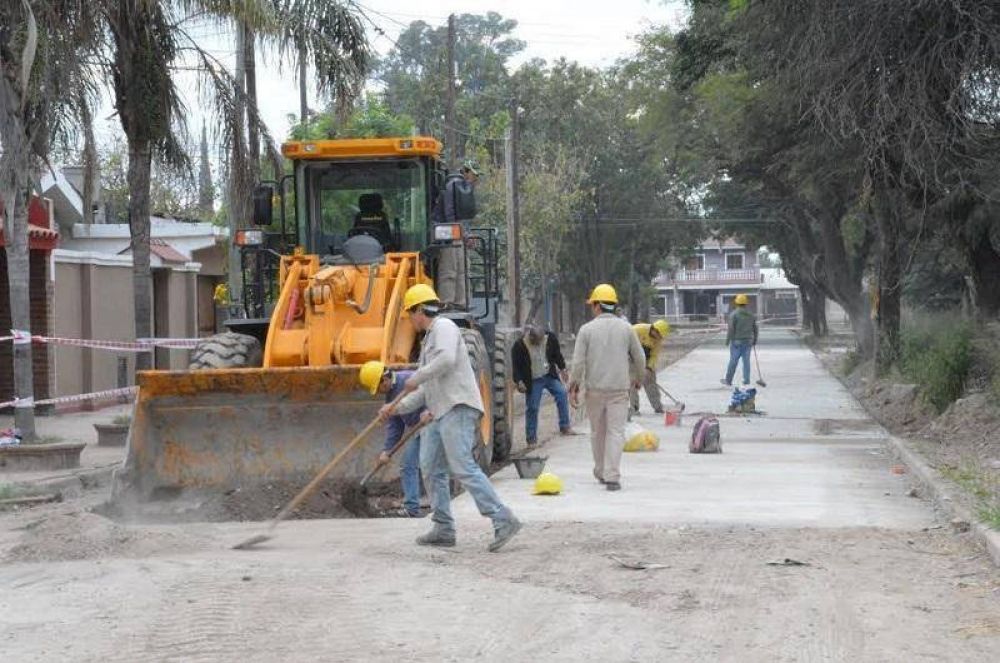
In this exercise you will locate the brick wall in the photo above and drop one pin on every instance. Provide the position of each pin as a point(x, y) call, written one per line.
point(41, 323)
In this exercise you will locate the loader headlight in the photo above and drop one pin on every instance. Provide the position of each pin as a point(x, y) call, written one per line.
point(249, 237)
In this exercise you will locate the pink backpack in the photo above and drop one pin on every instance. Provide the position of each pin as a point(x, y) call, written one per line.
point(705, 439)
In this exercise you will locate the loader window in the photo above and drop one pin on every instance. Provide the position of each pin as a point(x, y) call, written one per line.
point(387, 199)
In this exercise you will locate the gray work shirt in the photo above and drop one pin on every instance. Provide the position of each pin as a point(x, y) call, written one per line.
point(445, 377)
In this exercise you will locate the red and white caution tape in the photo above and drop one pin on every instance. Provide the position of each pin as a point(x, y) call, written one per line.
point(107, 393)
point(140, 345)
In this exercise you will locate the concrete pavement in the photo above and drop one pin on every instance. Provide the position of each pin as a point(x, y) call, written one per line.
point(781, 469)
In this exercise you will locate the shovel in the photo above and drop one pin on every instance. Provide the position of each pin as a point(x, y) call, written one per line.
point(760, 377)
point(354, 497)
point(312, 485)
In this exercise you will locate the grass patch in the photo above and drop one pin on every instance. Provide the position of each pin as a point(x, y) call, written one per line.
point(850, 362)
point(936, 353)
point(122, 420)
point(990, 515)
point(7, 491)
point(983, 487)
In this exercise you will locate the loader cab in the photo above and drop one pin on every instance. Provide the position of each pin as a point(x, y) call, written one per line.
point(382, 188)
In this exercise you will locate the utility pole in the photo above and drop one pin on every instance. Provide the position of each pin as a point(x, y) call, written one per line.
point(303, 96)
point(450, 135)
point(513, 219)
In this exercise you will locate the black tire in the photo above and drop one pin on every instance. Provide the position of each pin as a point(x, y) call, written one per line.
point(226, 350)
point(481, 366)
point(503, 399)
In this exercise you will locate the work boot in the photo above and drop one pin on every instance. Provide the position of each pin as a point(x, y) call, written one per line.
point(613, 486)
point(504, 533)
point(437, 538)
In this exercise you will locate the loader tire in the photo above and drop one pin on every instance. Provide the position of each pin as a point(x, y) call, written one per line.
point(226, 350)
point(503, 400)
point(480, 358)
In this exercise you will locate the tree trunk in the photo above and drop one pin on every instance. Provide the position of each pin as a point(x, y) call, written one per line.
point(89, 161)
point(16, 160)
point(16, 196)
point(985, 275)
point(889, 286)
point(139, 165)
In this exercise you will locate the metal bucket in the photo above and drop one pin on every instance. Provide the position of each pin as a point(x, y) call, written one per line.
point(530, 467)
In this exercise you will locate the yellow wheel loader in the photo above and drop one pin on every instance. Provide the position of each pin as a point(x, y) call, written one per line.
point(275, 397)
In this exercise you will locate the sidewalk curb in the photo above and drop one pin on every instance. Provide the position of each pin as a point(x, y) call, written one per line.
point(940, 491)
point(73, 483)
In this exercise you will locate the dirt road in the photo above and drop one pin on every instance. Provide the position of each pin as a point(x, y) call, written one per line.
point(882, 580)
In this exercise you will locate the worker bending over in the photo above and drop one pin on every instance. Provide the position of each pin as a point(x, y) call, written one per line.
point(377, 379)
point(651, 337)
point(446, 385)
point(539, 367)
point(607, 361)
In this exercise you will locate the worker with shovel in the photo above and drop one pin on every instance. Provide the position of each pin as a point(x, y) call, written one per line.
point(741, 338)
point(651, 337)
point(377, 379)
point(446, 385)
point(607, 361)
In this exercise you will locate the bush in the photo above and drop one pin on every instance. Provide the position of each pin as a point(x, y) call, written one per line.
point(936, 353)
point(850, 362)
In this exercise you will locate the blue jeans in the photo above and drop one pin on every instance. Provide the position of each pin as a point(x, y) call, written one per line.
point(409, 475)
point(739, 350)
point(538, 387)
point(446, 447)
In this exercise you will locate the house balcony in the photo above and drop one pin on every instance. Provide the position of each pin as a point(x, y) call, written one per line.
point(706, 278)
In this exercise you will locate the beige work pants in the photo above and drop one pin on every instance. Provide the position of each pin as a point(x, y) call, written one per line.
point(451, 279)
point(652, 392)
point(607, 411)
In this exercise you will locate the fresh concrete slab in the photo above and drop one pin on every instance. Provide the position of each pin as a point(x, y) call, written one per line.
point(777, 470)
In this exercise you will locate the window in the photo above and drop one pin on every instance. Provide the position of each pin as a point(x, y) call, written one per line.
point(695, 262)
point(734, 261)
point(340, 190)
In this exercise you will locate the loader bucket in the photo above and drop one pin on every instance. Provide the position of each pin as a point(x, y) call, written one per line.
point(219, 430)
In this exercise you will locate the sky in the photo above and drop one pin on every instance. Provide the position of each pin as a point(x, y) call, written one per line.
point(589, 32)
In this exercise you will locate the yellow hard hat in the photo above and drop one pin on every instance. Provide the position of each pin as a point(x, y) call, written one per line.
point(740, 300)
point(370, 375)
point(604, 294)
point(419, 294)
point(662, 327)
point(548, 484)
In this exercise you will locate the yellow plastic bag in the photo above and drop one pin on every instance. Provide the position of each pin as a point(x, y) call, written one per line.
point(638, 439)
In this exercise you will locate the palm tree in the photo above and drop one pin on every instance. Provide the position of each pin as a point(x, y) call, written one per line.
point(42, 43)
point(147, 41)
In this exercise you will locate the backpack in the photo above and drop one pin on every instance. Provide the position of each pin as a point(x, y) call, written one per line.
point(705, 438)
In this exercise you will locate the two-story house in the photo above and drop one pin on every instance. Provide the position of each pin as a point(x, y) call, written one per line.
point(704, 284)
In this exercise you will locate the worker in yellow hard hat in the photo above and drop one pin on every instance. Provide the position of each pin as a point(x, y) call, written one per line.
point(607, 361)
point(377, 379)
point(741, 336)
point(445, 383)
point(651, 337)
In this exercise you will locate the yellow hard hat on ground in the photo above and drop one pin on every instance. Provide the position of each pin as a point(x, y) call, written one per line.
point(370, 375)
point(604, 294)
point(662, 327)
point(548, 484)
point(741, 300)
point(419, 294)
